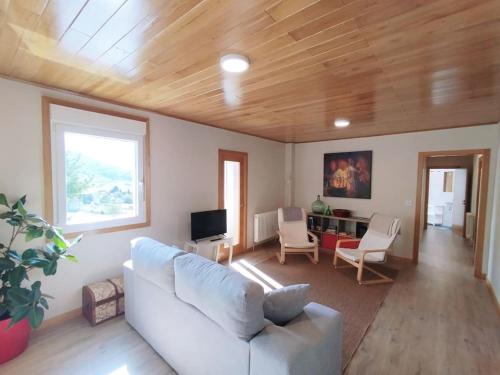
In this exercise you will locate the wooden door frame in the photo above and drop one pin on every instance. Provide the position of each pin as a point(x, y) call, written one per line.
point(483, 202)
point(480, 170)
point(241, 157)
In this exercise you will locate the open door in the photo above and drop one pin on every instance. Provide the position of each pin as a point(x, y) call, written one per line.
point(233, 195)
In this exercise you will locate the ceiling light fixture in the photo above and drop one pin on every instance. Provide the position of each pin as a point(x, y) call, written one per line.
point(234, 63)
point(342, 123)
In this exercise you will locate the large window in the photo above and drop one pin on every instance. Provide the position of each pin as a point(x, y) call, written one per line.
point(97, 169)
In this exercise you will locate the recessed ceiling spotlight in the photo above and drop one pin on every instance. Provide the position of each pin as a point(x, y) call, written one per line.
point(342, 123)
point(234, 63)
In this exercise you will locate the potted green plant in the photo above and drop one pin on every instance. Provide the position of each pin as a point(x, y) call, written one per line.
point(22, 303)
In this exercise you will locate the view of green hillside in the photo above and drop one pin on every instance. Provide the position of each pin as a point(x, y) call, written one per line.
point(95, 190)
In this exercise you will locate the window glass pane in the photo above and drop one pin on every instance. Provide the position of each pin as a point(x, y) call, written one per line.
point(232, 199)
point(101, 178)
point(448, 182)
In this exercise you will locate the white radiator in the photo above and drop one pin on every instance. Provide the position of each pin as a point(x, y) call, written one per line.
point(265, 226)
point(469, 225)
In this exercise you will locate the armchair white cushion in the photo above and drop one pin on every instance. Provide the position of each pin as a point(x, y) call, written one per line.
point(294, 231)
point(295, 238)
point(373, 247)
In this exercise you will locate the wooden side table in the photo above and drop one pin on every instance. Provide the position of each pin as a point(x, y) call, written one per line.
point(210, 246)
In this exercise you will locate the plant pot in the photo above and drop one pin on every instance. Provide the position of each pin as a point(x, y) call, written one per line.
point(13, 340)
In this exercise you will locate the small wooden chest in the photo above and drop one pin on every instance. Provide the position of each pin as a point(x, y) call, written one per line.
point(103, 300)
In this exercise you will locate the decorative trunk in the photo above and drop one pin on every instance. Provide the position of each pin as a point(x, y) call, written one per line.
point(13, 340)
point(103, 300)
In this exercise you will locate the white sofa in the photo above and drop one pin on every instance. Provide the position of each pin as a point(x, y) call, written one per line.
point(222, 329)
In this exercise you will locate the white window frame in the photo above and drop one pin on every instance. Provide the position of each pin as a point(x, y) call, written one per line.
point(78, 119)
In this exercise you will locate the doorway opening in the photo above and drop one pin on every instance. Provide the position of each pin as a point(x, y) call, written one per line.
point(452, 190)
point(449, 198)
point(232, 196)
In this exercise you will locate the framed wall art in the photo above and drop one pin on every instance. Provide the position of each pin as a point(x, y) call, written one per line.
point(348, 174)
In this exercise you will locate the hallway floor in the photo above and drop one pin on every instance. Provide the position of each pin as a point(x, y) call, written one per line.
point(437, 318)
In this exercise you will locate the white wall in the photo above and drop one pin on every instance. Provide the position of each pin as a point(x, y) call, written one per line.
point(184, 179)
point(289, 161)
point(394, 175)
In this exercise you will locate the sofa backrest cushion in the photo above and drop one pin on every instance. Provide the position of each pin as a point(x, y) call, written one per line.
point(225, 296)
point(154, 261)
point(284, 304)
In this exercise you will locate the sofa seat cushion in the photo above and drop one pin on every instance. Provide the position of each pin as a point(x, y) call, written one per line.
point(225, 296)
point(154, 261)
point(284, 304)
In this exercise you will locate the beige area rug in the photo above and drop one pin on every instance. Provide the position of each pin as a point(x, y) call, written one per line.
point(336, 288)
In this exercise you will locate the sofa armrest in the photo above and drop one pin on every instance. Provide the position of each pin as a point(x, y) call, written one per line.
point(309, 344)
point(129, 289)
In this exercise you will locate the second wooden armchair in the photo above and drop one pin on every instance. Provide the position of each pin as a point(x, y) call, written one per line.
point(372, 248)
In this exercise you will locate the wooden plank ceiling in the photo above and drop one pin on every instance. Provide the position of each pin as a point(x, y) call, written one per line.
point(389, 66)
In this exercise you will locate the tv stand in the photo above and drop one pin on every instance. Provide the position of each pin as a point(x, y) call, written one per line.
point(210, 247)
point(218, 238)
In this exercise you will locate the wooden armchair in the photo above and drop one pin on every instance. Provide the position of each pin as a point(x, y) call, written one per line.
point(294, 236)
point(372, 248)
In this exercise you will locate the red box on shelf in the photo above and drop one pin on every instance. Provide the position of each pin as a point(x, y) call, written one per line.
point(349, 245)
point(328, 240)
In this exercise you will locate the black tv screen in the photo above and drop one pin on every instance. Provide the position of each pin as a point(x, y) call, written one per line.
point(207, 224)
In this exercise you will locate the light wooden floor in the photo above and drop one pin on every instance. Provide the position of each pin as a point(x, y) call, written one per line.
point(75, 348)
point(437, 319)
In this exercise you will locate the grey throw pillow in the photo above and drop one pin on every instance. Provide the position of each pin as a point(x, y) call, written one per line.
point(282, 305)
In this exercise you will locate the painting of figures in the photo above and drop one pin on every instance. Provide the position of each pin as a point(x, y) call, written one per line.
point(348, 175)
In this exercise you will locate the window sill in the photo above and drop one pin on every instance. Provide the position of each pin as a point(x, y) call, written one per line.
point(119, 228)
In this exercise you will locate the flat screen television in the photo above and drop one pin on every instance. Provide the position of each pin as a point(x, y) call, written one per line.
point(208, 224)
